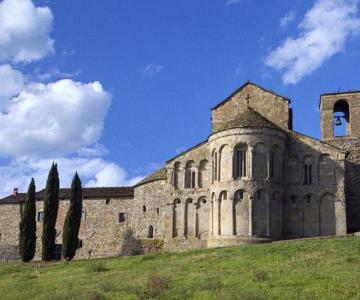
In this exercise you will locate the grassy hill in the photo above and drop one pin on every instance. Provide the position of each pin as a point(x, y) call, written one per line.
point(308, 269)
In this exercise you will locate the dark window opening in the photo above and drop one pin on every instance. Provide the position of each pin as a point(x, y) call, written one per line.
point(272, 164)
point(157, 210)
point(150, 232)
point(80, 245)
point(40, 216)
point(144, 208)
point(193, 180)
point(107, 200)
point(308, 174)
point(121, 217)
point(239, 163)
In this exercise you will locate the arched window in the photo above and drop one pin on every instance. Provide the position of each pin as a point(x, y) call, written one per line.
point(150, 232)
point(176, 175)
point(202, 178)
point(239, 161)
point(144, 208)
point(308, 170)
point(341, 118)
point(190, 174)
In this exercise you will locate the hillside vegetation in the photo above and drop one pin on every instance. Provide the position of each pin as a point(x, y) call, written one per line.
point(307, 269)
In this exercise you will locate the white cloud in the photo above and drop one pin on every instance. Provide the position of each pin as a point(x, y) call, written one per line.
point(323, 32)
point(151, 69)
point(287, 19)
point(11, 83)
point(46, 120)
point(94, 172)
point(42, 122)
point(53, 73)
point(24, 31)
point(230, 2)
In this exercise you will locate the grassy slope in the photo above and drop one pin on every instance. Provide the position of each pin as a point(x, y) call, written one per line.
point(327, 269)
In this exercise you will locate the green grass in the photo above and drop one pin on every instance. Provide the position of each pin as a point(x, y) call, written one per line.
point(312, 269)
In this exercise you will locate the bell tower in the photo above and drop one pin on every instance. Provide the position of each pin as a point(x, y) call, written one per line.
point(340, 116)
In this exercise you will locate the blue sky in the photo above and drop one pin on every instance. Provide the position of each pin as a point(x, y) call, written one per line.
point(143, 75)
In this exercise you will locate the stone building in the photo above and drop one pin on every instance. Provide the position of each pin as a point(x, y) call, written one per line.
point(253, 180)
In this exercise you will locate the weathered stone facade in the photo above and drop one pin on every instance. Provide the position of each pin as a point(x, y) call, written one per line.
point(253, 180)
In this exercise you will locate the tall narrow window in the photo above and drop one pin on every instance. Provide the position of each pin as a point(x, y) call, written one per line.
point(308, 170)
point(240, 161)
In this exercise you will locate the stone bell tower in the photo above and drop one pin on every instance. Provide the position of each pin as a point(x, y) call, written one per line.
point(342, 110)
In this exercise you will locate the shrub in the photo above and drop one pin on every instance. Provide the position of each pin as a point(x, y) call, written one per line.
point(97, 266)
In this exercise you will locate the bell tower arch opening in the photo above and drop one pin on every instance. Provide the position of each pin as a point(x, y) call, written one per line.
point(341, 115)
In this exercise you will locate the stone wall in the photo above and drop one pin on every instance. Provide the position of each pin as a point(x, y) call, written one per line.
point(9, 231)
point(273, 107)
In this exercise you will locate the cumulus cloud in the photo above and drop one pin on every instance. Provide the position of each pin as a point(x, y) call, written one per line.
point(53, 119)
point(11, 83)
point(24, 31)
point(323, 32)
point(41, 121)
point(95, 172)
point(151, 70)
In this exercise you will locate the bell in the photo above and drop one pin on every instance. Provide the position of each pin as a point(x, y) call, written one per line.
point(338, 121)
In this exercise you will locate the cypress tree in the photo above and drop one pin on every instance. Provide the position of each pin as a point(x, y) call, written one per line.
point(27, 237)
point(72, 220)
point(51, 205)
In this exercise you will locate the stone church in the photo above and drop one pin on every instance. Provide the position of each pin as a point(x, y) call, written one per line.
point(253, 180)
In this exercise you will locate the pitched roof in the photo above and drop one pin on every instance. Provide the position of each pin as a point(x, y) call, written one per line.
point(157, 175)
point(243, 86)
point(248, 118)
point(88, 193)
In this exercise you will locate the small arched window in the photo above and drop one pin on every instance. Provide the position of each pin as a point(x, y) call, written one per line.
point(239, 161)
point(144, 208)
point(341, 118)
point(308, 170)
point(190, 174)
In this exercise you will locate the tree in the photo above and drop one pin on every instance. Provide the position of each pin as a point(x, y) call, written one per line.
point(27, 238)
point(72, 220)
point(51, 206)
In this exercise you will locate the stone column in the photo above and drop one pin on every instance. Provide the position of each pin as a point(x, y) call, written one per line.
point(251, 163)
point(196, 225)
point(211, 222)
point(268, 156)
point(169, 221)
point(251, 199)
point(268, 216)
point(216, 216)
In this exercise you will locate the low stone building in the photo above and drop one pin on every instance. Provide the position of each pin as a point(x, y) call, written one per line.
point(253, 180)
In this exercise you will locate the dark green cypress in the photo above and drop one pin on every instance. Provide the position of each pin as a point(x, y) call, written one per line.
point(51, 206)
point(27, 238)
point(72, 220)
